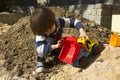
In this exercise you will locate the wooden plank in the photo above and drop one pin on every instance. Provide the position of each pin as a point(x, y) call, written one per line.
point(116, 23)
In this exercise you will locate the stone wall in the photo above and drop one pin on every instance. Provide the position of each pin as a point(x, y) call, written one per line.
point(99, 13)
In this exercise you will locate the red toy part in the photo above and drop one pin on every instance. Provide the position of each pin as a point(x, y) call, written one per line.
point(70, 49)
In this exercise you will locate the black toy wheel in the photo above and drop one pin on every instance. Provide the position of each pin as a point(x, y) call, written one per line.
point(83, 63)
point(95, 50)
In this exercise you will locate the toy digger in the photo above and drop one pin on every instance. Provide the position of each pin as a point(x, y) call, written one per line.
point(76, 51)
point(89, 45)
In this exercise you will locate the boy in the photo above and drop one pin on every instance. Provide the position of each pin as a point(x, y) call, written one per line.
point(45, 26)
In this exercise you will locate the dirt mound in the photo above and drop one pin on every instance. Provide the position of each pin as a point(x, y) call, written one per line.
point(14, 47)
point(17, 48)
point(17, 45)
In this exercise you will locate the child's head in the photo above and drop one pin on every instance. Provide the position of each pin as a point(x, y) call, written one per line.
point(42, 21)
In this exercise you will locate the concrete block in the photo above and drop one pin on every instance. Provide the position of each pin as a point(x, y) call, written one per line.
point(87, 12)
point(98, 6)
point(89, 17)
point(94, 12)
point(75, 8)
point(109, 2)
point(84, 7)
point(77, 11)
point(71, 8)
point(43, 2)
point(99, 12)
point(79, 6)
point(98, 18)
point(31, 9)
point(85, 16)
point(97, 21)
point(90, 6)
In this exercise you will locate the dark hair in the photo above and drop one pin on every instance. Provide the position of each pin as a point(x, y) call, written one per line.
point(41, 20)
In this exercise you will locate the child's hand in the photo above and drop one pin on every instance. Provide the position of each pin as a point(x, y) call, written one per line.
point(82, 33)
point(58, 45)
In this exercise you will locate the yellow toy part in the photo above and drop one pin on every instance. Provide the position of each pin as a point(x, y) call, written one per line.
point(87, 44)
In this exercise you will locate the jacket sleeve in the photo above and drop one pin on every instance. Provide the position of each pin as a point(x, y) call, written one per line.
point(42, 47)
point(69, 22)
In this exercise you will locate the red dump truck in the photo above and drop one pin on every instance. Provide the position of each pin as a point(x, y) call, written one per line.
point(75, 51)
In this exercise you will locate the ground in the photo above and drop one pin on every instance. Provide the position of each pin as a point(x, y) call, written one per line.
point(18, 55)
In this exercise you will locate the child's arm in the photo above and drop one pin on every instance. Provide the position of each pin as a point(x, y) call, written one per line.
point(43, 47)
point(71, 22)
